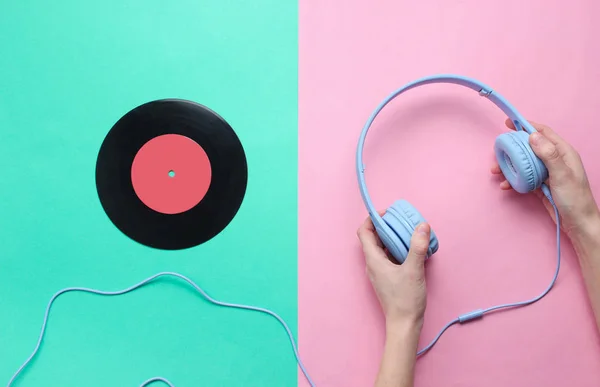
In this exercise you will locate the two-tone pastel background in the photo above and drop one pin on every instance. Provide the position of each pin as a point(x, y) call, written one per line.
point(296, 80)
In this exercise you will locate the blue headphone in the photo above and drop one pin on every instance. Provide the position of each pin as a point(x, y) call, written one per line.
point(522, 168)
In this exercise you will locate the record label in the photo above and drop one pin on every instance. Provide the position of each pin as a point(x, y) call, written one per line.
point(171, 174)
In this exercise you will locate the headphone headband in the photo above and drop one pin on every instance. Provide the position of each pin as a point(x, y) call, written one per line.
point(483, 90)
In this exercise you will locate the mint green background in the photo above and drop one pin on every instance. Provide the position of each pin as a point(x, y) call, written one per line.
point(68, 71)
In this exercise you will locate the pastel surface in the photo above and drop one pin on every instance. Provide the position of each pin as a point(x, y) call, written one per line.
point(433, 147)
point(70, 69)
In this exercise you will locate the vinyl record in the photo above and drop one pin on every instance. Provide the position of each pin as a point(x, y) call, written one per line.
point(171, 174)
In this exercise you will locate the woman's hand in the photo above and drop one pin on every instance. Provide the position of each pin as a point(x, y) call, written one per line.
point(578, 211)
point(567, 181)
point(399, 288)
point(403, 298)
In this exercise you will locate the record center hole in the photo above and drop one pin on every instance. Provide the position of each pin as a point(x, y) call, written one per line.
point(171, 173)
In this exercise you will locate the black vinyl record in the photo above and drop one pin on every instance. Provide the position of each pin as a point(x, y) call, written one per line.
point(217, 143)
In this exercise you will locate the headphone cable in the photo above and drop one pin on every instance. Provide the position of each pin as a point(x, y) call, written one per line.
point(476, 314)
point(142, 283)
point(479, 313)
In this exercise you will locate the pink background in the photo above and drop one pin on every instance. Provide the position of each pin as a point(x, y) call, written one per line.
point(433, 147)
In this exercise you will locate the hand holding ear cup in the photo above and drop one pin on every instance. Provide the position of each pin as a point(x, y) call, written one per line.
point(521, 167)
point(401, 220)
point(523, 170)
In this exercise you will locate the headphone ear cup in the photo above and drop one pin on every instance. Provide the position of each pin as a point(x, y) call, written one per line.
point(392, 242)
point(523, 170)
point(402, 219)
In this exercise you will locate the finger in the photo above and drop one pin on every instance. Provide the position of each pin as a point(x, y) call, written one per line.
point(495, 169)
point(538, 192)
point(505, 185)
point(549, 153)
point(542, 128)
point(548, 133)
point(549, 208)
point(370, 241)
point(509, 124)
point(419, 244)
point(366, 234)
point(368, 223)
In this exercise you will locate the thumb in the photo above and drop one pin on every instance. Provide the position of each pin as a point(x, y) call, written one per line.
point(549, 153)
point(419, 244)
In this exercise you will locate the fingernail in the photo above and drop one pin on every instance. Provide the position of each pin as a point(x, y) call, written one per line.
point(536, 138)
point(423, 228)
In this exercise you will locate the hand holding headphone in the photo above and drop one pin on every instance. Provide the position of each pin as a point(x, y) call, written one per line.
point(523, 170)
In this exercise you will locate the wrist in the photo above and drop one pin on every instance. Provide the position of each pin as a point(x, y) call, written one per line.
point(586, 237)
point(400, 352)
point(403, 327)
point(403, 337)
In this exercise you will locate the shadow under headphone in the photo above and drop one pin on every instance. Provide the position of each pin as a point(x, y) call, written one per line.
point(524, 171)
